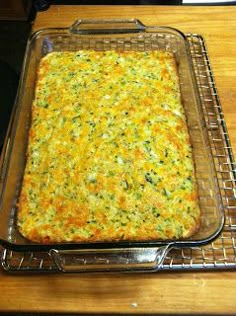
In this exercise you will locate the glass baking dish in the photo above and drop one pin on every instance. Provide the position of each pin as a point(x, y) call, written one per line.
point(106, 35)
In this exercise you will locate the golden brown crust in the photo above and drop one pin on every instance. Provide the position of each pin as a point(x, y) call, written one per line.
point(109, 155)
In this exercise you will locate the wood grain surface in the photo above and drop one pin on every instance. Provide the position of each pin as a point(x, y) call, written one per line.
point(159, 293)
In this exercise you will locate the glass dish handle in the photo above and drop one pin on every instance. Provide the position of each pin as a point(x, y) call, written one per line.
point(107, 26)
point(110, 260)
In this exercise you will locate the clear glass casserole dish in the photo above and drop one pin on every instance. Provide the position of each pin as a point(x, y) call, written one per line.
point(107, 35)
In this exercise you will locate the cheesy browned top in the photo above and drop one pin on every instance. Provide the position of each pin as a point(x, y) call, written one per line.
point(109, 156)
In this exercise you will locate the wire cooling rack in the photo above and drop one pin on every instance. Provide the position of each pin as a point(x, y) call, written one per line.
point(222, 252)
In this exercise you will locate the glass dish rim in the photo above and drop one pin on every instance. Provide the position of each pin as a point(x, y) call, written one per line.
point(99, 245)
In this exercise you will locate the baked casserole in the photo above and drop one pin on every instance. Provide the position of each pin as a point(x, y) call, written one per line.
point(109, 155)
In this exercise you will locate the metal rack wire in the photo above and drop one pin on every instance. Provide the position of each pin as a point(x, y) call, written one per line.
point(220, 254)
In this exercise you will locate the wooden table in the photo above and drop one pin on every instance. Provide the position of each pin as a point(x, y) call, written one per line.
point(164, 293)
